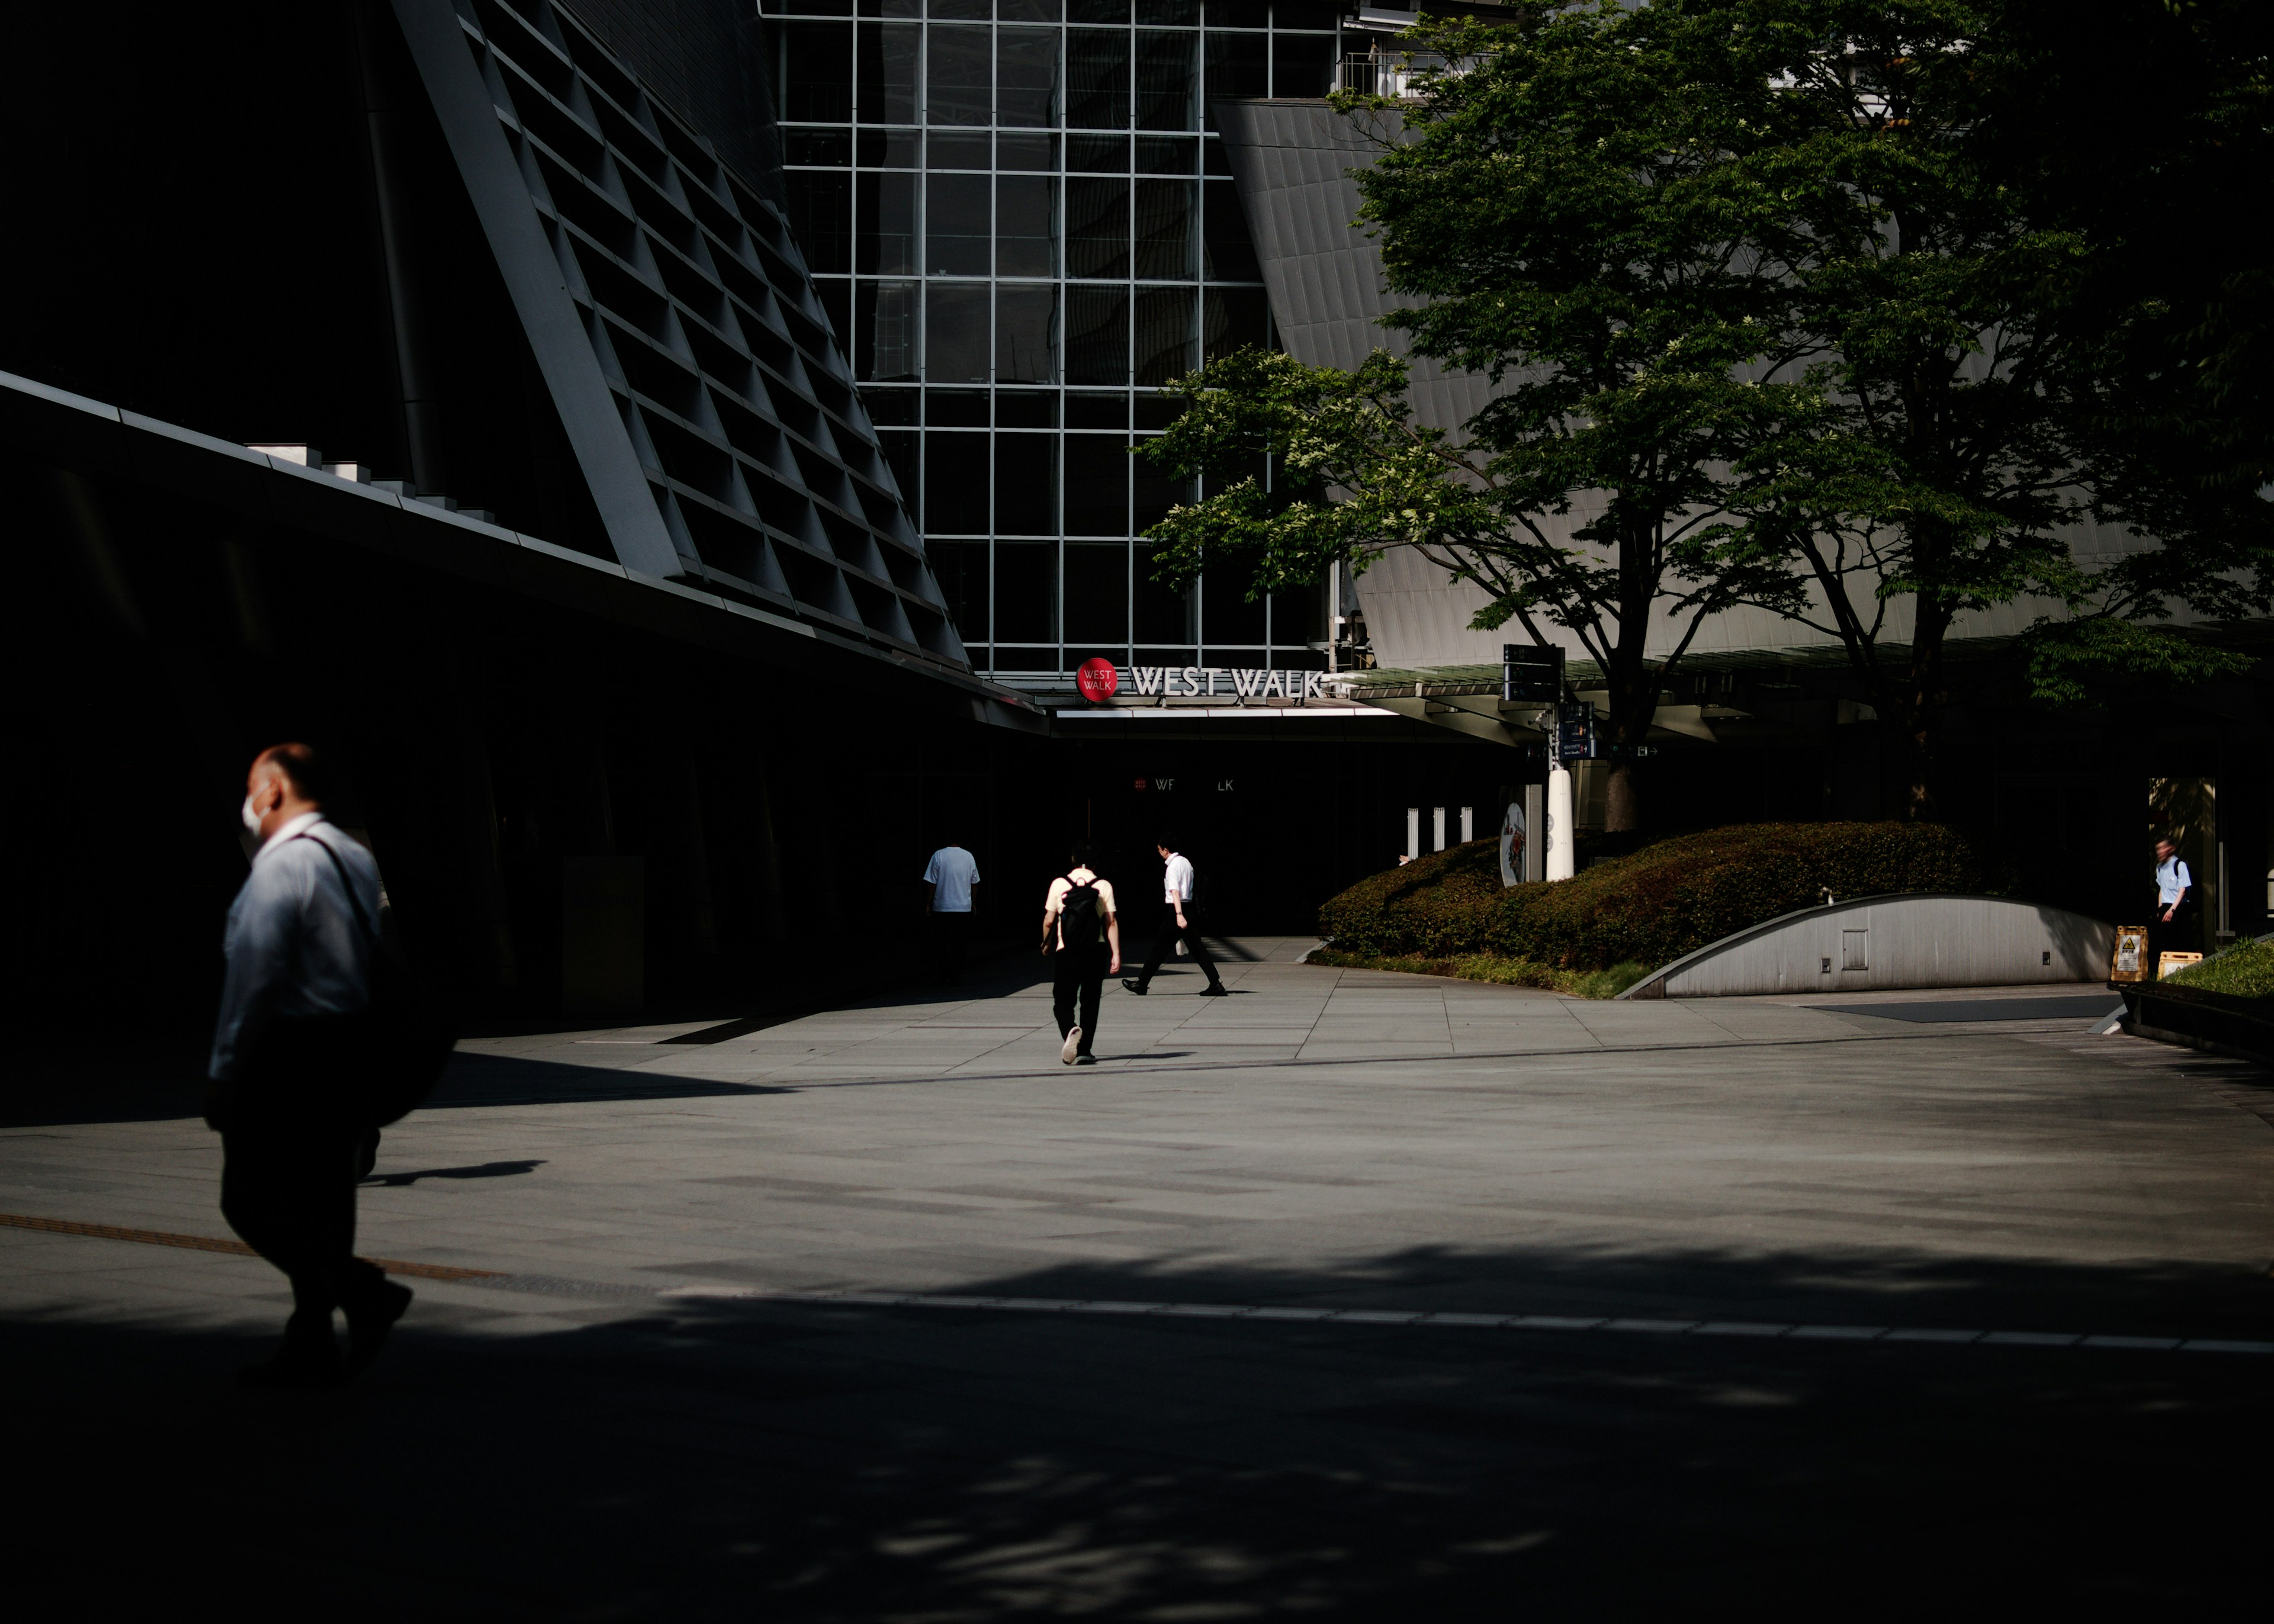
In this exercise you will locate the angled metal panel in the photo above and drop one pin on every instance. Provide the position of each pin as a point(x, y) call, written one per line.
point(533, 279)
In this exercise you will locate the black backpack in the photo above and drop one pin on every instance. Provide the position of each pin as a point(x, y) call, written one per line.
point(406, 1039)
point(1081, 918)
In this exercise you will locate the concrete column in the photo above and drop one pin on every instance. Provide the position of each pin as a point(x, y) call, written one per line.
point(1561, 854)
point(1436, 829)
point(1412, 832)
point(1468, 824)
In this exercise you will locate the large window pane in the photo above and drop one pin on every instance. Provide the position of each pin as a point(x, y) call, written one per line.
point(886, 242)
point(904, 450)
point(1164, 229)
point(1238, 66)
point(961, 569)
point(821, 213)
point(1097, 335)
point(1170, 13)
point(1025, 334)
point(1230, 255)
point(817, 72)
point(959, 80)
point(885, 331)
point(1026, 484)
point(889, 54)
point(1027, 78)
point(955, 485)
point(1096, 485)
point(1152, 494)
point(1302, 64)
point(1097, 78)
point(1232, 319)
point(955, 332)
point(958, 234)
point(1167, 80)
point(1098, 227)
point(1226, 616)
point(1097, 596)
point(1026, 225)
point(1163, 333)
point(1162, 614)
point(1026, 591)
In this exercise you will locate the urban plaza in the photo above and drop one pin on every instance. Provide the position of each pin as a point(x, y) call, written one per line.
point(1152, 809)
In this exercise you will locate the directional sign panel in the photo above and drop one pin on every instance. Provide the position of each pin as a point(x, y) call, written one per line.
point(1575, 732)
point(1530, 673)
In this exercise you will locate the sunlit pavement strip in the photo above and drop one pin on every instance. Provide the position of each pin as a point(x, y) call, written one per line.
point(1764, 1329)
point(1515, 1322)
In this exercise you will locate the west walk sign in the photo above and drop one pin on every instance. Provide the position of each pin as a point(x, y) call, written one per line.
point(1098, 679)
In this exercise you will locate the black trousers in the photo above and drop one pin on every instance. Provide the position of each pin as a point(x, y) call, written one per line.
point(288, 1190)
point(2181, 936)
point(950, 943)
point(1078, 972)
point(291, 1162)
point(1164, 938)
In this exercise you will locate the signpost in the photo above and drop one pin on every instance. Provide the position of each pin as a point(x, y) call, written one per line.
point(1575, 732)
point(1530, 674)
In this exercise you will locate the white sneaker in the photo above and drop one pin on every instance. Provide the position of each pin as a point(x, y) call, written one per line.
point(1072, 1046)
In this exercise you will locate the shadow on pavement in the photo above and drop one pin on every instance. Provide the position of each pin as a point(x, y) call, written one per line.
point(486, 1169)
point(714, 1461)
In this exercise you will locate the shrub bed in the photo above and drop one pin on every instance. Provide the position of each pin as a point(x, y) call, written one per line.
point(1661, 902)
point(2244, 971)
point(1491, 967)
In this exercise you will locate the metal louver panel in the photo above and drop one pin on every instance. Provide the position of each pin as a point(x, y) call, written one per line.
point(711, 408)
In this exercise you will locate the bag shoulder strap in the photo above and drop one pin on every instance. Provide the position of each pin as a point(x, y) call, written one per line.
point(347, 884)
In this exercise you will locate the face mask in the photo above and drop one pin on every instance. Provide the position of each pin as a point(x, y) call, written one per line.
point(251, 819)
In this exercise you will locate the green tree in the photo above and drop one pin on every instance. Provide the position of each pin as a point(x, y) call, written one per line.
point(1567, 213)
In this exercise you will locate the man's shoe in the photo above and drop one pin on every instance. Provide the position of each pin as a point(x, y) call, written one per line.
point(1136, 987)
point(1085, 1060)
point(1072, 1046)
point(1216, 989)
point(369, 1322)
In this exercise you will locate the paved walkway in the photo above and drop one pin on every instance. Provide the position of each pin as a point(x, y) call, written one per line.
point(1431, 1288)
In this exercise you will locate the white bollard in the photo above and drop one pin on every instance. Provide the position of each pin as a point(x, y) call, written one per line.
point(1437, 829)
point(1413, 832)
point(1561, 854)
point(1468, 824)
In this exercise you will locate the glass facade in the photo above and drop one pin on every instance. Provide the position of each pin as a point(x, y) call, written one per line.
point(1021, 225)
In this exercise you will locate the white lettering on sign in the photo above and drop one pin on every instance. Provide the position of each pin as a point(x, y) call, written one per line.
point(1195, 681)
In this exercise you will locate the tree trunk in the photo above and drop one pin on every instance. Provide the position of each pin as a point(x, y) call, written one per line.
point(1634, 706)
point(1916, 723)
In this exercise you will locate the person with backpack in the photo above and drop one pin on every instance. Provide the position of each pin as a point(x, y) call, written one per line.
point(287, 1083)
point(1081, 934)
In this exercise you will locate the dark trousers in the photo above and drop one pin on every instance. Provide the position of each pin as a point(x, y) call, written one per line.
point(1164, 939)
point(287, 1188)
point(1078, 971)
point(951, 942)
point(2181, 936)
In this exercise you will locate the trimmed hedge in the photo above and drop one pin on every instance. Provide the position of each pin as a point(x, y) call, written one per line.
point(1652, 907)
point(2244, 971)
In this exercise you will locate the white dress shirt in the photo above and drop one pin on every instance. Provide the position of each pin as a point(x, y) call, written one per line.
point(292, 943)
point(1177, 883)
point(2171, 879)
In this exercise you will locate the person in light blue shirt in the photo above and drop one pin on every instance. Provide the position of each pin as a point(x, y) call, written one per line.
point(2176, 886)
point(286, 1046)
point(953, 874)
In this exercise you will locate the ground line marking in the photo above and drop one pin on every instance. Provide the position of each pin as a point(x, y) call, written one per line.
point(1447, 1318)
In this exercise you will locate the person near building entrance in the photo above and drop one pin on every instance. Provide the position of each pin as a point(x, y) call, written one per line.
point(2173, 929)
point(1179, 922)
point(952, 874)
point(1081, 934)
point(285, 1048)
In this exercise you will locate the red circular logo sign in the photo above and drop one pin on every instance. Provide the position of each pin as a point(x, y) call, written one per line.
point(1097, 680)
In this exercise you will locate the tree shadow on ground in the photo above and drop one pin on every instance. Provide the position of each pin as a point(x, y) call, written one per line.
point(701, 1460)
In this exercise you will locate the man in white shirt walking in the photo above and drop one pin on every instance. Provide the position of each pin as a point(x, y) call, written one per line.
point(280, 1084)
point(1179, 922)
point(2175, 884)
point(1081, 936)
point(952, 874)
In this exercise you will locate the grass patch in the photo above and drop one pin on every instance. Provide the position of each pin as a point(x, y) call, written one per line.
point(2244, 971)
point(1493, 967)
